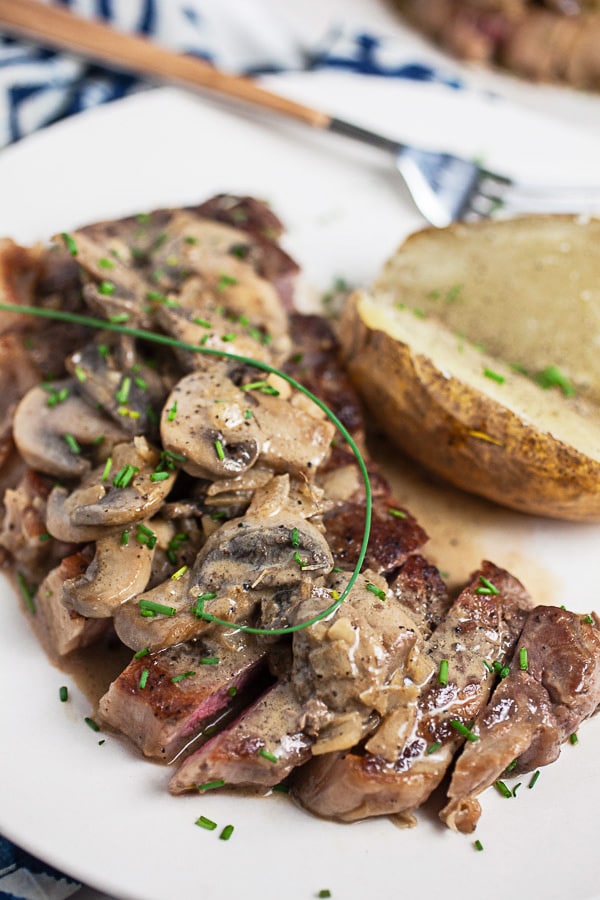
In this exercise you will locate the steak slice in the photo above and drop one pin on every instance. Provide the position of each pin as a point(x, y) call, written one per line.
point(532, 710)
point(59, 630)
point(407, 757)
point(183, 691)
point(258, 750)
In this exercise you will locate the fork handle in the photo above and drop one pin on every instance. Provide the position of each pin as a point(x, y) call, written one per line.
point(92, 39)
point(57, 27)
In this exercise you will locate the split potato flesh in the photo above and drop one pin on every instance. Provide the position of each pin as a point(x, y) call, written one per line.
point(451, 347)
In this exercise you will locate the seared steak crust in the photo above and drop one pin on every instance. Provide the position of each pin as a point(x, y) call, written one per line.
point(407, 757)
point(533, 710)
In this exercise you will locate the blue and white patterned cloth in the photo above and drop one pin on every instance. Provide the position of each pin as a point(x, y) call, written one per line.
point(39, 86)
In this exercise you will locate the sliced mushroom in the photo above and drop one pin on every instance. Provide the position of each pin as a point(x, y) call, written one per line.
point(127, 493)
point(116, 287)
point(119, 571)
point(128, 394)
point(246, 563)
point(205, 419)
point(60, 526)
point(41, 431)
point(298, 441)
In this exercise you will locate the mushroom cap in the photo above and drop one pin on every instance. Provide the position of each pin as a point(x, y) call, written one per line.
point(39, 430)
point(119, 571)
point(205, 419)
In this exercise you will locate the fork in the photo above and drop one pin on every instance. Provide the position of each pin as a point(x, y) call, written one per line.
point(444, 188)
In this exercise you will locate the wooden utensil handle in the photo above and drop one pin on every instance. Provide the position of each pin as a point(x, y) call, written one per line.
point(57, 27)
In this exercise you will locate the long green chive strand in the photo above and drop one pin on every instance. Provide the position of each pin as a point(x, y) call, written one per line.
point(168, 341)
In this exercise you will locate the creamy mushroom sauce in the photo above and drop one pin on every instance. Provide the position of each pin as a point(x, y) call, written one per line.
point(191, 485)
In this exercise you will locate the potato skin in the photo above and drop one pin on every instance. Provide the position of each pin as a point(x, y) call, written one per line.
point(431, 415)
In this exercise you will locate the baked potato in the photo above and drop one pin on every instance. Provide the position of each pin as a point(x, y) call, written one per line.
point(477, 350)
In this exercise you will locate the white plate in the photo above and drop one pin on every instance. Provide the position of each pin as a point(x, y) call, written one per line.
point(101, 813)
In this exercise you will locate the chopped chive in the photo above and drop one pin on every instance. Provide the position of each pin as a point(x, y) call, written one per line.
point(295, 537)
point(266, 754)
point(90, 722)
point(523, 659)
point(504, 672)
point(230, 336)
point(179, 573)
point(152, 607)
point(122, 395)
point(232, 691)
point(105, 263)
point(463, 730)
point(503, 789)
point(145, 535)
point(204, 323)
point(80, 374)
point(534, 778)
point(433, 747)
point(588, 620)
point(516, 788)
point(69, 243)
point(107, 288)
point(397, 513)
point(172, 412)
point(72, 444)
point(248, 414)
point(209, 660)
point(177, 678)
point(376, 590)
point(98, 440)
point(324, 892)
point(225, 281)
point(103, 350)
point(211, 785)
point(262, 386)
point(299, 561)
point(553, 377)
point(63, 694)
point(107, 468)
point(141, 653)
point(46, 536)
point(159, 476)
point(573, 739)
point(124, 476)
point(494, 376)
point(226, 833)
point(443, 672)
point(143, 679)
point(206, 823)
point(281, 788)
point(219, 450)
point(27, 592)
point(488, 587)
point(119, 318)
point(478, 845)
point(156, 296)
point(488, 666)
point(240, 250)
point(511, 766)
point(141, 383)
point(200, 601)
point(125, 537)
point(191, 240)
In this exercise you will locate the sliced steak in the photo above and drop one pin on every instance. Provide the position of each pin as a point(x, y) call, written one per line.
point(532, 711)
point(395, 534)
point(259, 750)
point(422, 590)
point(59, 630)
point(185, 688)
point(407, 757)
